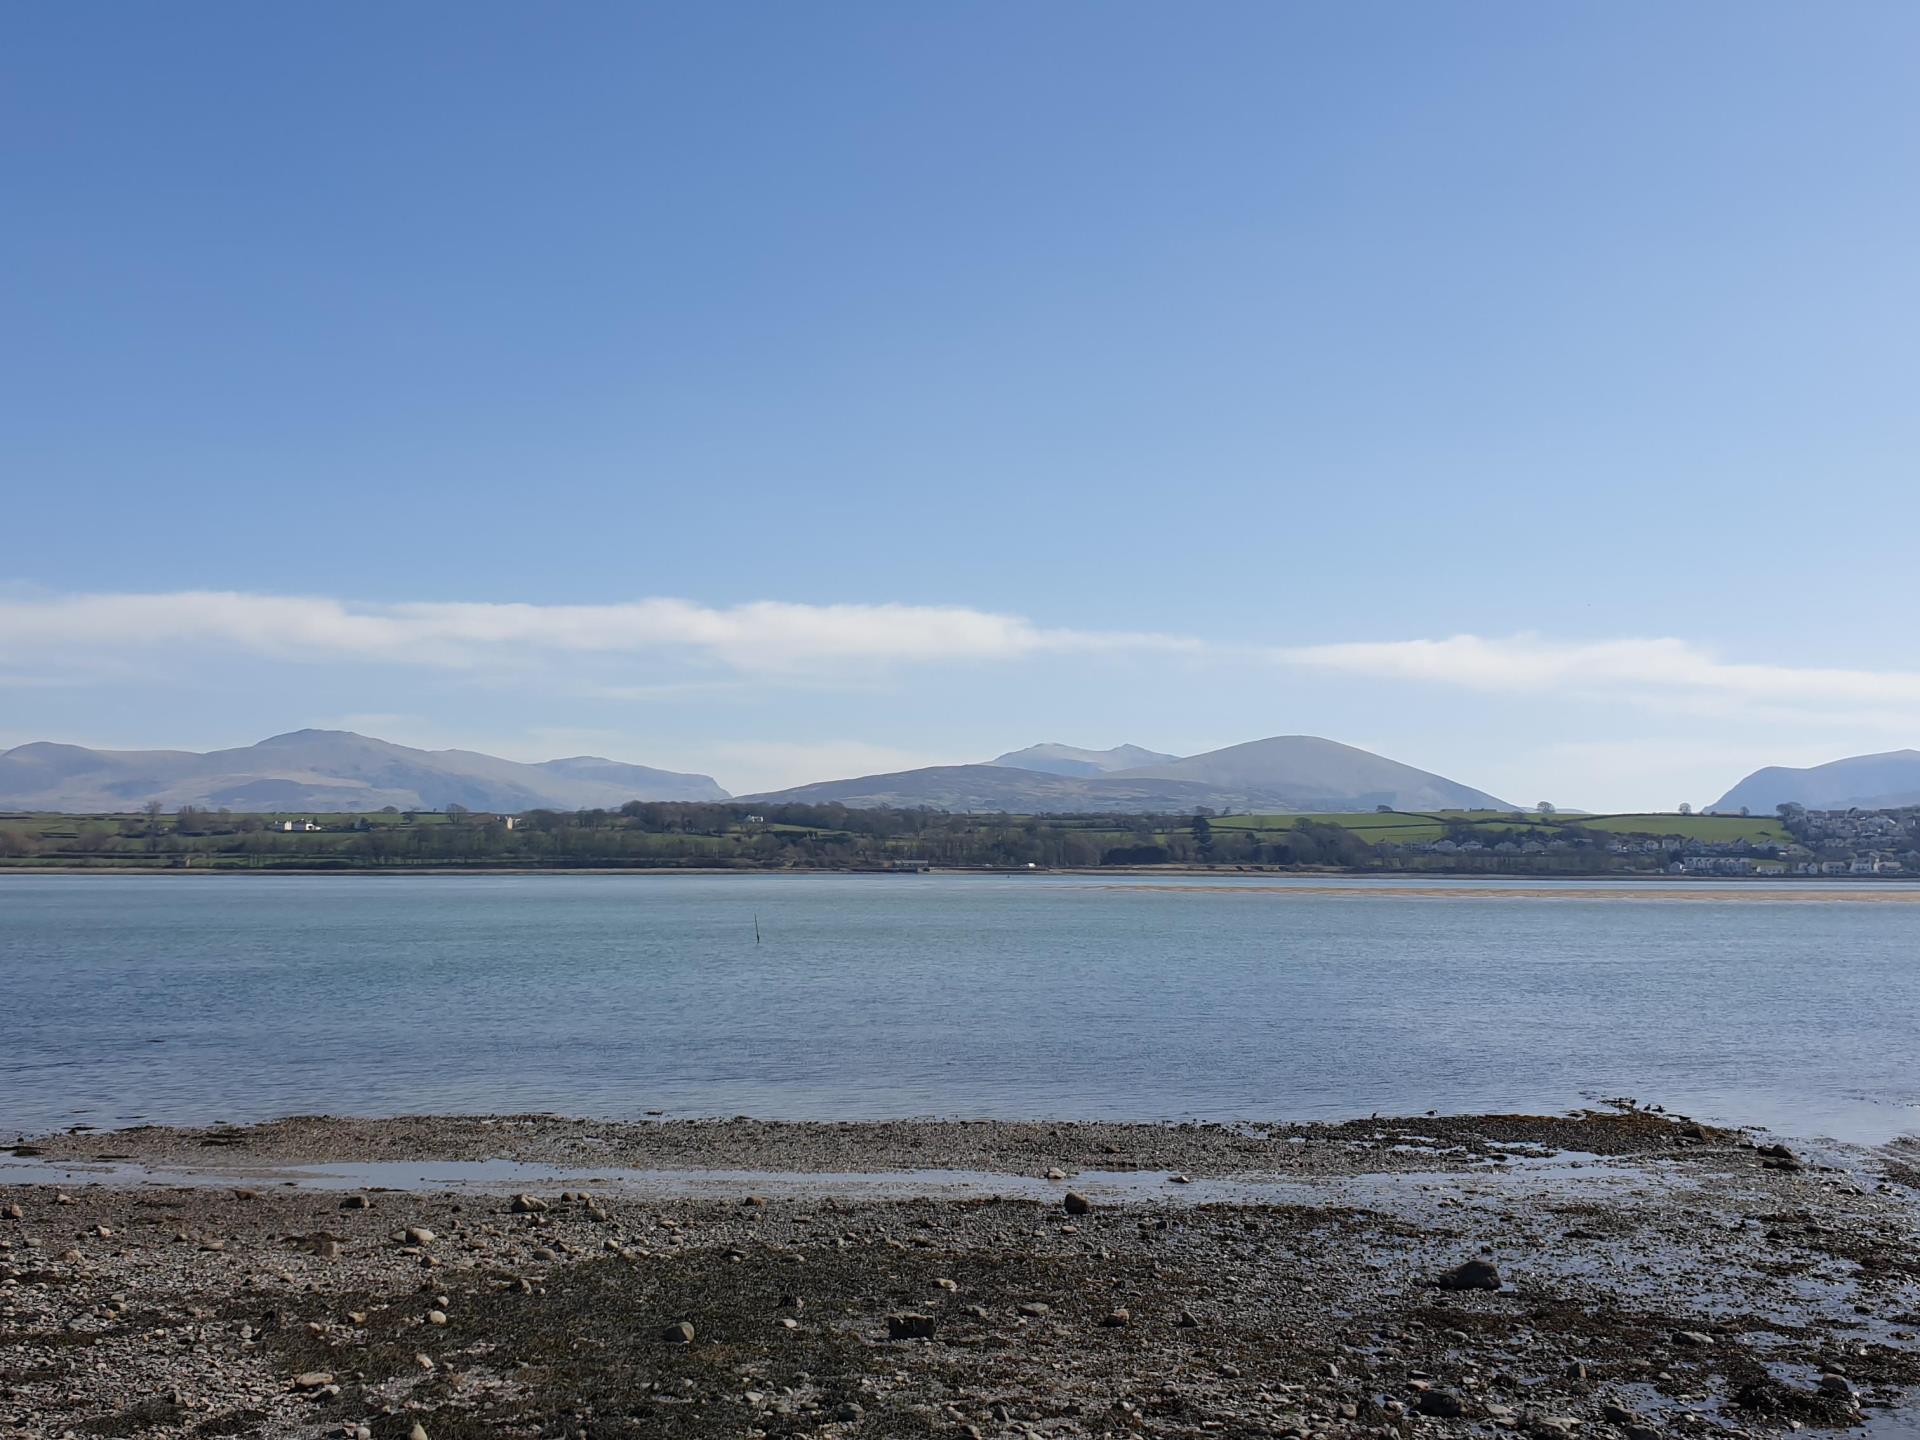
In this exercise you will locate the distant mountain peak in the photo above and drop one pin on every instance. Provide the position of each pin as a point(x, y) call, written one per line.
point(1284, 773)
point(326, 770)
point(1053, 758)
point(1885, 781)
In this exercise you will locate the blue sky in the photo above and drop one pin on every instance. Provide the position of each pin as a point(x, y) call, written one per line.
point(1523, 391)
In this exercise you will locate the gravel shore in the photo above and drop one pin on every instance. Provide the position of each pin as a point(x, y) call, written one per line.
point(1619, 1275)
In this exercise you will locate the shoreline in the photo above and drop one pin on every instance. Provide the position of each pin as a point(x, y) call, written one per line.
point(1653, 1274)
point(1886, 888)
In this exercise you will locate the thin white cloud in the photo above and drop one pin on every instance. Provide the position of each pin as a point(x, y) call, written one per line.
point(1652, 670)
point(763, 636)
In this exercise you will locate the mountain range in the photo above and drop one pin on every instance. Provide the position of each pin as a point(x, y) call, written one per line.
point(337, 770)
point(1870, 782)
point(325, 770)
point(1284, 773)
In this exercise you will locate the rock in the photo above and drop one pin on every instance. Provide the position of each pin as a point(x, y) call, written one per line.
point(1118, 1319)
point(416, 1235)
point(946, 1284)
point(528, 1205)
point(1618, 1414)
point(1034, 1309)
point(326, 1248)
point(436, 1317)
point(678, 1333)
point(1077, 1204)
point(419, 1432)
point(1831, 1384)
point(910, 1327)
point(754, 1201)
point(1187, 1320)
point(313, 1380)
point(357, 1202)
point(14, 1212)
point(848, 1411)
point(1553, 1427)
point(1472, 1275)
point(1441, 1404)
point(1179, 1180)
point(1693, 1338)
point(1056, 1174)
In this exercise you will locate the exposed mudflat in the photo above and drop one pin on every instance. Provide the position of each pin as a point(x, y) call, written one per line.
point(1655, 1278)
point(1359, 1146)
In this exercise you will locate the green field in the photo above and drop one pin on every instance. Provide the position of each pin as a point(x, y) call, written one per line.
point(1411, 828)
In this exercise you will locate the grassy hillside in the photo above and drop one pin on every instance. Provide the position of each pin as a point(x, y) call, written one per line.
point(1406, 828)
point(734, 834)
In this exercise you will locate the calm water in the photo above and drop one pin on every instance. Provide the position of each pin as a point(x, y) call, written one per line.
point(169, 999)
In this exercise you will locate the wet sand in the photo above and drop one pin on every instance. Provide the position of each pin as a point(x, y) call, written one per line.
point(929, 1278)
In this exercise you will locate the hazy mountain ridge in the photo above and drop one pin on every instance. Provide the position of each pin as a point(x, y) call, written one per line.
point(1054, 759)
point(325, 770)
point(1885, 781)
point(1286, 773)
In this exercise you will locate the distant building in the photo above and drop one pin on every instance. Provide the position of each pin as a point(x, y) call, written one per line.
point(298, 825)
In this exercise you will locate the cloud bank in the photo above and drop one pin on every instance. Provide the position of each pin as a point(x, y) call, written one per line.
point(764, 636)
point(40, 635)
point(1653, 670)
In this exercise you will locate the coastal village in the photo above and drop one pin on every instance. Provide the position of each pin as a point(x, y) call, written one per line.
point(1820, 843)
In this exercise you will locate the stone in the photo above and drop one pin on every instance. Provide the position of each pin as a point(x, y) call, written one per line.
point(1118, 1319)
point(313, 1380)
point(436, 1317)
point(1441, 1404)
point(909, 1326)
point(1077, 1204)
point(1034, 1309)
point(678, 1333)
point(418, 1235)
point(1831, 1384)
point(528, 1205)
point(14, 1212)
point(418, 1432)
point(1179, 1180)
point(1188, 1321)
point(357, 1202)
point(1056, 1174)
point(1618, 1414)
point(1693, 1338)
point(1472, 1275)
